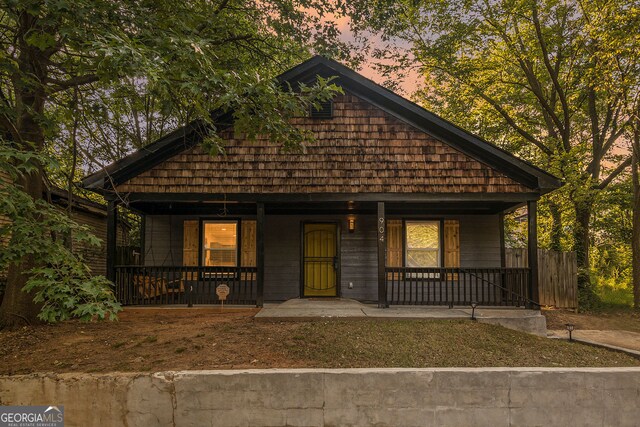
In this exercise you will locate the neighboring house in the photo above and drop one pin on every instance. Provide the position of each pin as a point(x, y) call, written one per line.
point(391, 203)
point(94, 215)
point(85, 212)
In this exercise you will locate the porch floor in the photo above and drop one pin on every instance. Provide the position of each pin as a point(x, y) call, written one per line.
point(531, 321)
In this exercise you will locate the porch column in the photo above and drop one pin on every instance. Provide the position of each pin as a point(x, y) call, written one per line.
point(260, 254)
point(532, 243)
point(112, 238)
point(382, 242)
point(503, 255)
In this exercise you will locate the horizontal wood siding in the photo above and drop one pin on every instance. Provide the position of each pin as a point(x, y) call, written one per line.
point(281, 258)
point(95, 257)
point(163, 242)
point(479, 247)
point(360, 260)
point(361, 149)
point(479, 241)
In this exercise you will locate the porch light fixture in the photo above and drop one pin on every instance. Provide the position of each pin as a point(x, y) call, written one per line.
point(570, 327)
point(351, 222)
point(473, 310)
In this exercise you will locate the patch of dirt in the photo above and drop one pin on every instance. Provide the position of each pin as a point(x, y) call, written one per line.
point(180, 339)
point(143, 340)
point(624, 320)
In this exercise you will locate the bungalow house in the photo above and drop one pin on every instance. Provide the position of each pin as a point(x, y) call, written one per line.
point(390, 204)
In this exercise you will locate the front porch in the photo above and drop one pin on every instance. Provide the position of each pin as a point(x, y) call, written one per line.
point(162, 285)
point(364, 253)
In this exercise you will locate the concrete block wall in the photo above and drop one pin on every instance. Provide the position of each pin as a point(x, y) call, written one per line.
point(348, 397)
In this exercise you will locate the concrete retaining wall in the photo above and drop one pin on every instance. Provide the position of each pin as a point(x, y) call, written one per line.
point(350, 397)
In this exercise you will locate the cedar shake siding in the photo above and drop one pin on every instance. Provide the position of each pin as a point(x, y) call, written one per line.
point(362, 149)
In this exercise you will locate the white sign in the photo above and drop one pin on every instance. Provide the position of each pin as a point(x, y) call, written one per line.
point(222, 291)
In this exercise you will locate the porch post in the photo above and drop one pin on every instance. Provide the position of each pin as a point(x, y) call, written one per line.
point(112, 238)
point(503, 255)
point(260, 254)
point(143, 233)
point(382, 286)
point(532, 252)
point(506, 288)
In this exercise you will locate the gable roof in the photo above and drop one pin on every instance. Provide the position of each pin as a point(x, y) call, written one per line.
point(393, 104)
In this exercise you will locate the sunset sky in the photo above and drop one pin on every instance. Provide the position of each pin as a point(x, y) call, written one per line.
point(408, 86)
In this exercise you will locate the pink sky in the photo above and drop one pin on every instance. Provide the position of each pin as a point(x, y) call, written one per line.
point(407, 87)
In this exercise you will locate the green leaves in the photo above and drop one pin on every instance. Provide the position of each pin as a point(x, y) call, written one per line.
point(61, 282)
point(89, 81)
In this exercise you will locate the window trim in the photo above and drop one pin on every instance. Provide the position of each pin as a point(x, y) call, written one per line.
point(440, 222)
point(202, 221)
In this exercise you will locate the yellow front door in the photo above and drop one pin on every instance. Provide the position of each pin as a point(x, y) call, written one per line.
point(320, 259)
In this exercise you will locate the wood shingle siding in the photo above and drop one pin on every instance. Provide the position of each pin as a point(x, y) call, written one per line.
point(362, 149)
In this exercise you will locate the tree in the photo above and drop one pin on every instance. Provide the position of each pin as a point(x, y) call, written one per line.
point(191, 56)
point(61, 284)
point(531, 75)
point(635, 235)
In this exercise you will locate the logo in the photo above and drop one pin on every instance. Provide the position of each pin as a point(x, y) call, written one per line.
point(31, 416)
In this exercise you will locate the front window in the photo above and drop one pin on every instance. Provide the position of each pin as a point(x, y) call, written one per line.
point(220, 244)
point(422, 244)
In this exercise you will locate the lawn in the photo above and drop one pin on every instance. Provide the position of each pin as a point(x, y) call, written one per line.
point(608, 318)
point(176, 339)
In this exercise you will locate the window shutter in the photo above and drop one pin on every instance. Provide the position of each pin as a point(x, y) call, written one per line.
point(394, 243)
point(451, 243)
point(191, 239)
point(248, 233)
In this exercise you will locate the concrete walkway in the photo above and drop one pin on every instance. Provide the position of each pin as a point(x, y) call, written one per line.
point(340, 308)
point(626, 341)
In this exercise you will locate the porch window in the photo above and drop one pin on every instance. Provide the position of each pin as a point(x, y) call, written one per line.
point(219, 244)
point(422, 244)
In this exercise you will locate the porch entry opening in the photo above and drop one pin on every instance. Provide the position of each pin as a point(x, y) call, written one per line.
point(320, 260)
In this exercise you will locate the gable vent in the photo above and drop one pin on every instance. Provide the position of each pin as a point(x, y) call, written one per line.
point(325, 111)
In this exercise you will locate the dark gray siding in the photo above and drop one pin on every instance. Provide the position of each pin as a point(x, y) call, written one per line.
point(479, 247)
point(163, 240)
point(360, 260)
point(282, 256)
point(479, 241)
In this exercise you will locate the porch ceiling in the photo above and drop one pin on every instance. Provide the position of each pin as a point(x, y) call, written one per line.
point(324, 208)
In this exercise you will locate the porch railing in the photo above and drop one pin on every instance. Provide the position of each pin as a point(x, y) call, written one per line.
point(457, 286)
point(149, 285)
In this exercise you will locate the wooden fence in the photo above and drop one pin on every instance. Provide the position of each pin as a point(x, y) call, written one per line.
point(557, 275)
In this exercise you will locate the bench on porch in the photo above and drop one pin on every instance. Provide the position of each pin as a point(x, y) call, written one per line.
point(152, 287)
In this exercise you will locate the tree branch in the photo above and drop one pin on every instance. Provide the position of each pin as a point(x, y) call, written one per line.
point(617, 171)
point(536, 87)
point(566, 135)
point(72, 82)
